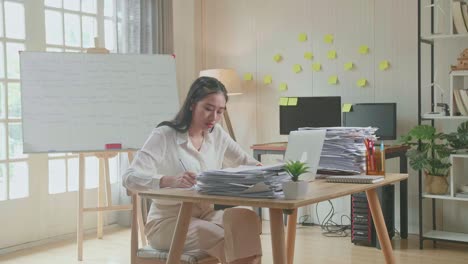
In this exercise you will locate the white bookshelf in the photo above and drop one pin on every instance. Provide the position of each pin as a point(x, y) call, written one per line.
point(444, 235)
point(443, 36)
point(458, 80)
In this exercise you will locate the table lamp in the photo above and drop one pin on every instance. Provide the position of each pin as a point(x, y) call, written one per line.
point(231, 81)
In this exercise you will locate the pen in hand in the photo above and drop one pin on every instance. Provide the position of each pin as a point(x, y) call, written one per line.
point(183, 166)
point(190, 176)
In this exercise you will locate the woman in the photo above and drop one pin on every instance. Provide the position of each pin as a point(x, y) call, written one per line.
point(171, 158)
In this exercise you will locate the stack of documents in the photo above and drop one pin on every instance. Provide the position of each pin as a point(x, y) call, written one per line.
point(344, 151)
point(244, 181)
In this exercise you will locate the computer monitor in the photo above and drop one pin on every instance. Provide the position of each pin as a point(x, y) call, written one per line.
point(324, 111)
point(380, 115)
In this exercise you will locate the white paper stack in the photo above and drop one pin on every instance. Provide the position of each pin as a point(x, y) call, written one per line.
point(344, 151)
point(244, 181)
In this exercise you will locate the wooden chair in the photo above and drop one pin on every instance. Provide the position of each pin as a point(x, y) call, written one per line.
point(147, 254)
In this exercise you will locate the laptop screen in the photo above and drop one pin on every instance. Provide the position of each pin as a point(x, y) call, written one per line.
point(305, 146)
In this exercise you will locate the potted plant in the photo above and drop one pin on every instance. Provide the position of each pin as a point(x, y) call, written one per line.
point(295, 189)
point(429, 151)
point(459, 140)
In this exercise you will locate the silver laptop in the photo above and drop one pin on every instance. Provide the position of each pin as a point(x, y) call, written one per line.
point(306, 146)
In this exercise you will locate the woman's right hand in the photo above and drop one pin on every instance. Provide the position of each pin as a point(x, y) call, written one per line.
point(184, 180)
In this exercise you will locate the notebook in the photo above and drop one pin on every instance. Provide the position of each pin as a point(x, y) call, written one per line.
point(355, 179)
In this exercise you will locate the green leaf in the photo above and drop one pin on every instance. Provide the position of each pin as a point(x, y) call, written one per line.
point(295, 169)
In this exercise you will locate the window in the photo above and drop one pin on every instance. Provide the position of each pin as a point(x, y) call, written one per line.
point(14, 171)
point(71, 26)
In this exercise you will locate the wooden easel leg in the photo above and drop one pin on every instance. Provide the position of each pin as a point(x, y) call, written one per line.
point(81, 184)
point(100, 214)
point(380, 226)
point(108, 183)
point(291, 236)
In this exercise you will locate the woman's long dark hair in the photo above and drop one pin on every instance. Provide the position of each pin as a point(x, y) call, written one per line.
point(201, 87)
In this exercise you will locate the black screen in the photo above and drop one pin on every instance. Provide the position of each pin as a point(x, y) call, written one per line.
point(311, 112)
point(380, 115)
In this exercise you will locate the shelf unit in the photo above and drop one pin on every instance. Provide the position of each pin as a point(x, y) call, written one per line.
point(457, 79)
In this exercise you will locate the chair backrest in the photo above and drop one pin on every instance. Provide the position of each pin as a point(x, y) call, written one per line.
point(144, 254)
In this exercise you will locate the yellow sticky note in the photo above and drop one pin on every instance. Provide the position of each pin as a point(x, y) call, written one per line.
point(316, 66)
point(308, 55)
point(331, 54)
point(363, 49)
point(361, 82)
point(333, 79)
point(277, 57)
point(384, 65)
point(348, 66)
point(283, 101)
point(283, 87)
point(328, 38)
point(302, 37)
point(292, 101)
point(346, 108)
point(248, 76)
point(297, 68)
point(267, 79)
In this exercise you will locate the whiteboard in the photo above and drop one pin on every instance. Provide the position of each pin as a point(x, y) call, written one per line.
point(75, 102)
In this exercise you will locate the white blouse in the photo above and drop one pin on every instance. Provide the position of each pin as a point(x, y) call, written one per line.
point(165, 149)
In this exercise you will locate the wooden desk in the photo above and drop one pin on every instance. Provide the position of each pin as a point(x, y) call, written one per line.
point(390, 152)
point(319, 191)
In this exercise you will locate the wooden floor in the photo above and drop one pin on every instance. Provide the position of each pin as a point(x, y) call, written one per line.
point(311, 247)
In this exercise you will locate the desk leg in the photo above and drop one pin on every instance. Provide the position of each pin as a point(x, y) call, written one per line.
point(291, 236)
point(404, 209)
point(380, 226)
point(180, 233)
point(404, 198)
point(277, 236)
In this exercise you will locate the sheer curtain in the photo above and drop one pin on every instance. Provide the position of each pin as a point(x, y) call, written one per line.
point(144, 27)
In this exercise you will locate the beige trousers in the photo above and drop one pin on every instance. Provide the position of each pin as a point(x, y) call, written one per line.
point(230, 236)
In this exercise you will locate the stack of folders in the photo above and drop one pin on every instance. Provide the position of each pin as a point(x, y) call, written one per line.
point(244, 181)
point(355, 179)
point(344, 151)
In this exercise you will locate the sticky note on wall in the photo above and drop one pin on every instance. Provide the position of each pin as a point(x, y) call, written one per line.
point(383, 65)
point(277, 57)
point(292, 101)
point(363, 49)
point(333, 80)
point(361, 82)
point(297, 68)
point(283, 87)
point(302, 37)
point(346, 108)
point(283, 101)
point(308, 55)
point(316, 66)
point(267, 79)
point(348, 66)
point(328, 38)
point(331, 54)
point(248, 76)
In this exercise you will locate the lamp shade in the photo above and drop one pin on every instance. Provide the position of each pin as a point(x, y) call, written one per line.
point(228, 77)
